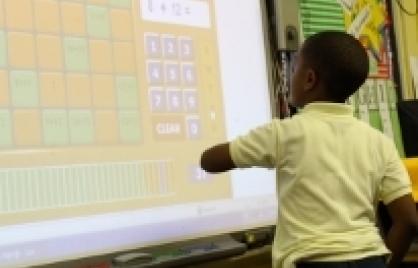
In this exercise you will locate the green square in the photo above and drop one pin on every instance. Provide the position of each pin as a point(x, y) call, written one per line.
point(81, 127)
point(121, 3)
point(76, 54)
point(24, 86)
point(375, 120)
point(98, 24)
point(129, 126)
point(3, 50)
point(127, 92)
point(55, 127)
point(6, 139)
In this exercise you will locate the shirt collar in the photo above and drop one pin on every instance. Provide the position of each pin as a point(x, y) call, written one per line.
point(328, 108)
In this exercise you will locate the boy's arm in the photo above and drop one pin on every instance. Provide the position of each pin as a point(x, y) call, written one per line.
point(217, 159)
point(257, 148)
point(396, 194)
point(403, 230)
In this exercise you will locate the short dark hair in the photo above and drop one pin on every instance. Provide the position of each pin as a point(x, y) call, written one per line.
point(339, 60)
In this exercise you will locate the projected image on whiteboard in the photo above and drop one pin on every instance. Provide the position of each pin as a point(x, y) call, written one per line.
point(106, 106)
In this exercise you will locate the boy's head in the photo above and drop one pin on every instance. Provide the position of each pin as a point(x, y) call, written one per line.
point(330, 67)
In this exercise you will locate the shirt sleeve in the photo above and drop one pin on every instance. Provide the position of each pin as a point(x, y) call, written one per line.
point(258, 148)
point(395, 182)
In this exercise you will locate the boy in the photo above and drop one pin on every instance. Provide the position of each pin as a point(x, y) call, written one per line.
point(332, 169)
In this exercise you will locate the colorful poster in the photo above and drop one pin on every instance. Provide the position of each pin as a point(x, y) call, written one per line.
point(368, 20)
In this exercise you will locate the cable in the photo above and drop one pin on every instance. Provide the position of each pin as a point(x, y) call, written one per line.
point(407, 11)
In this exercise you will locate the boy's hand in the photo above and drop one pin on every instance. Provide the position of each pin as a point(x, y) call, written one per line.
point(217, 159)
point(405, 224)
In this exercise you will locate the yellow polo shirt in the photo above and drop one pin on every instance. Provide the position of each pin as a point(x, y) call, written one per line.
point(332, 169)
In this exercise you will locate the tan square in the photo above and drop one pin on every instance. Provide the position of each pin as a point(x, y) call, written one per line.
point(101, 56)
point(124, 57)
point(78, 91)
point(18, 14)
point(98, 2)
point(49, 52)
point(103, 91)
point(106, 126)
point(21, 50)
point(121, 24)
point(27, 127)
point(2, 18)
point(47, 18)
point(52, 91)
point(4, 88)
point(73, 18)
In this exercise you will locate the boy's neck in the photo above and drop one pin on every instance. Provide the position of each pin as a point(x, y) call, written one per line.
point(322, 101)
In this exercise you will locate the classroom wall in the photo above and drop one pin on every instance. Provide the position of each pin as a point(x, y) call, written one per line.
point(375, 101)
point(406, 32)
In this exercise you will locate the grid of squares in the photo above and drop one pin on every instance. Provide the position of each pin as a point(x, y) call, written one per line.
point(172, 79)
point(68, 74)
point(67, 186)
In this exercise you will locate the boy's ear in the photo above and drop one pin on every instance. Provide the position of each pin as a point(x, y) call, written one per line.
point(311, 80)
